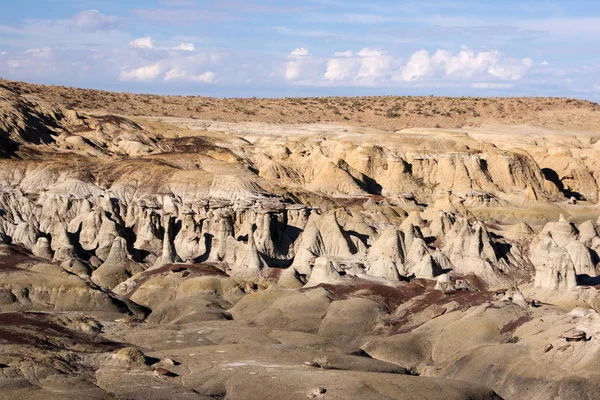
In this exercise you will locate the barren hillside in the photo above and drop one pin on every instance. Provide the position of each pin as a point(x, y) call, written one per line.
point(377, 247)
point(388, 113)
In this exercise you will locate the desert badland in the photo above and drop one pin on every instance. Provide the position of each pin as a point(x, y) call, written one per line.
point(164, 247)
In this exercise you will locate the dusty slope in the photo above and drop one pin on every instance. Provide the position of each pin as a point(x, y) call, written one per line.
point(389, 113)
point(309, 260)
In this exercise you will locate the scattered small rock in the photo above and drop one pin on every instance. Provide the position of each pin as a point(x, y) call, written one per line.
point(317, 392)
point(321, 362)
point(185, 274)
point(170, 361)
point(548, 348)
point(160, 372)
point(129, 357)
point(574, 335)
point(177, 268)
point(438, 311)
point(563, 347)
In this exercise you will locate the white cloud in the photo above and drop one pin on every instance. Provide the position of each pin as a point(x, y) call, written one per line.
point(14, 64)
point(94, 20)
point(146, 73)
point(374, 64)
point(342, 67)
point(292, 70)
point(174, 74)
point(178, 73)
point(143, 43)
point(207, 77)
point(511, 69)
point(347, 53)
point(299, 53)
point(149, 44)
point(339, 69)
point(418, 66)
point(44, 52)
point(488, 85)
point(185, 47)
point(300, 58)
point(3, 53)
point(463, 65)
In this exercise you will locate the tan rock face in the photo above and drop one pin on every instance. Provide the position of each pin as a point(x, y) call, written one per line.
point(412, 204)
point(266, 248)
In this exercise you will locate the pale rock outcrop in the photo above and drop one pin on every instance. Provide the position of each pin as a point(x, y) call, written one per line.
point(442, 224)
point(444, 283)
point(59, 235)
point(554, 268)
point(387, 255)
point(521, 229)
point(562, 232)
point(105, 237)
point(581, 258)
point(322, 236)
point(65, 252)
point(471, 250)
point(189, 242)
point(411, 233)
point(150, 232)
point(88, 225)
point(219, 227)
point(588, 234)
point(271, 234)
point(514, 295)
point(168, 255)
point(42, 249)
point(25, 234)
point(249, 266)
point(117, 267)
point(414, 219)
point(419, 261)
point(323, 272)
point(77, 267)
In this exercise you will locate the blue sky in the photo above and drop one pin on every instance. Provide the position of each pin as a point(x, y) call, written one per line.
point(312, 47)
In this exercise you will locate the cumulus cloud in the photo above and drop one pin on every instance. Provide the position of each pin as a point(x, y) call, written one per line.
point(418, 66)
point(207, 77)
point(177, 73)
point(465, 64)
point(347, 53)
point(374, 64)
point(94, 20)
point(489, 85)
point(464, 68)
point(300, 58)
point(185, 47)
point(367, 65)
point(146, 73)
point(299, 53)
point(339, 69)
point(148, 43)
point(143, 43)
